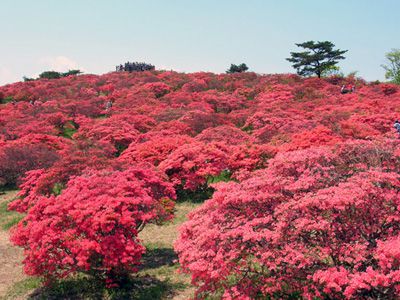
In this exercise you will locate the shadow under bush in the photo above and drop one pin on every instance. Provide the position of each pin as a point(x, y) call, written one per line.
point(144, 287)
point(158, 257)
point(201, 194)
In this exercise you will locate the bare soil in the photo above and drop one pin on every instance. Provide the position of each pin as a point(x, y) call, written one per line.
point(10, 256)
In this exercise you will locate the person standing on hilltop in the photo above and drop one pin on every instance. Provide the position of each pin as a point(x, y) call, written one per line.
point(397, 127)
point(109, 105)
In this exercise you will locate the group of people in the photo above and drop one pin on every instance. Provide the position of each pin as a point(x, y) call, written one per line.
point(347, 88)
point(134, 67)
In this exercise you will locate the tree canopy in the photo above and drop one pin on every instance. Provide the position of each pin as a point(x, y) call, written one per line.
point(393, 66)
point(318, 57)
point(237, 68)
point(54, 74)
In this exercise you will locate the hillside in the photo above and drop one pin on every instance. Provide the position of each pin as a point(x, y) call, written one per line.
point(303, 180)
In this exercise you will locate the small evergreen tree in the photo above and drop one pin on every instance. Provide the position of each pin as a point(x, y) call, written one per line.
point(26, 79)
point(71, 72)
point(50, 75)
point(237, 68)
point(317, 59)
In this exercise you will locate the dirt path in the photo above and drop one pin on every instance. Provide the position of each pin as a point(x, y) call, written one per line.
point(10, 264)
point(10, 256)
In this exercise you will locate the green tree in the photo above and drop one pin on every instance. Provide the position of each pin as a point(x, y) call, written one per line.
point(332, 71)
point(55, 75)
point(317, 59)
point(393, 66)
point(50, 75)
point(72, 72)
point(237, 68)
point(27, 79)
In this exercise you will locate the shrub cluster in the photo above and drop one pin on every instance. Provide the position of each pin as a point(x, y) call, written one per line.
point(301, 179)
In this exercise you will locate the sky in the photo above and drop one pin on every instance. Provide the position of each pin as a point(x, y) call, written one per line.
point(190, 36)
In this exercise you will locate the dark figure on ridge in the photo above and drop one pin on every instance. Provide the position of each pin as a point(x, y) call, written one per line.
point(348, 88)
point(397, 127)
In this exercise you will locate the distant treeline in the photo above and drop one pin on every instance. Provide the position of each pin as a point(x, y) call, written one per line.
point(54, 75)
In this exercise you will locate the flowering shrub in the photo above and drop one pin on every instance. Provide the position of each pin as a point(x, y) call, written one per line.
point(254, 239)
point(92, 225)
point(29, 191)
point(190, 165)
point(290, 149)
point(20, 156)
point(155, 150)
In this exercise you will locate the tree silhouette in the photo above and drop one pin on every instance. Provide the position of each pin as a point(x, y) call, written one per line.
point(237, 68)
point(318, 57)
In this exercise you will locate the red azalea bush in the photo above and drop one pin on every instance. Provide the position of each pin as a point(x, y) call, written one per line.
point(75, 160)
point(302, 229)
point(21, 156)
point(92, 225)
point(114, 130)
point(29, 191)
point(192, 164)
point(227, 134)
point(158, 88)
point(154, 150)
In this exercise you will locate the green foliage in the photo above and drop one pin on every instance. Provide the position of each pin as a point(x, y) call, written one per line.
point(8, 218)
point(69, 129)
point(82, 287)
point(71, 72)
point(248, 129)
point(26, 79)
point(237, 68)
point(6, 99)
point(332, 71)
point(318, 58)
point(68, 132)
point(224, 176)
point(57, 188)
point(50, 75)
point(393, 66)
point(55, 75)
point(203, 193)
point(21, 288)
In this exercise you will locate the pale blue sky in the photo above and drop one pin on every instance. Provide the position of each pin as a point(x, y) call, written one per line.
point(202, 35)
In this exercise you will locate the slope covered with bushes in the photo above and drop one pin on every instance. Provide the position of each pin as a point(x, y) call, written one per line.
point(302, 181)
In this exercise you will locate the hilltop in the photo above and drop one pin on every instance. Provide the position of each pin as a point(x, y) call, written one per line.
point(268, 150)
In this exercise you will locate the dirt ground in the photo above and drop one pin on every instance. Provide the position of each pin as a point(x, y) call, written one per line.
point(10, 257)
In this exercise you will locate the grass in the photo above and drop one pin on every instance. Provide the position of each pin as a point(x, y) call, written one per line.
point(68, 132)
point(22, 288)
point(137, 288)
point(8, 218)
point(160, 260)
point(158, 277)
point(163, 236)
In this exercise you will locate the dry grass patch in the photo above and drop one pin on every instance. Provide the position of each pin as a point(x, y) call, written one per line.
point(160, 260)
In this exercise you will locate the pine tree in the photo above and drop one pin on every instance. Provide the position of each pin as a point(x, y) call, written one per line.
point(318, 57)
